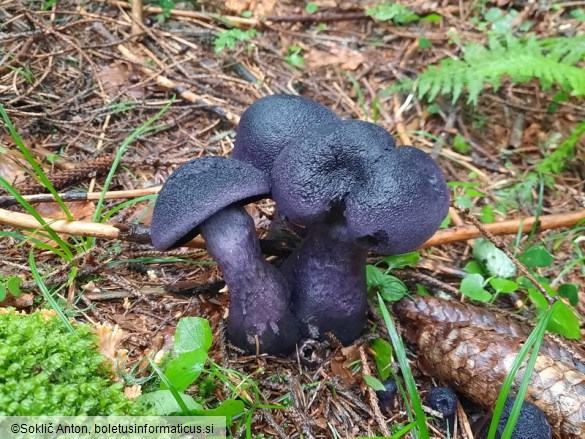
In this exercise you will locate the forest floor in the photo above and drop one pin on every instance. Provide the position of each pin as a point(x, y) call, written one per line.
point(77, 79)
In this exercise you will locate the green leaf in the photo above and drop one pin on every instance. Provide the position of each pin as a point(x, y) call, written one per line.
point(494, 260)
point(383, 356)
point(578, 14)
point(13, 285)
point(163, 402)
point(474, 267)
point(472, 287)
point(311, 8)
point(461, 146)
point(390, 288)
point(503, 285)
point(403, 260)
point(424, 43)
point(432, 18)
point(2, 292)
point(185, 369)
point(570, 292)
point(374, 383)
point(537, 256)
point(564, 322)
point(539, 301)
point(487, 214)
point(230, 408)
point(192, 333)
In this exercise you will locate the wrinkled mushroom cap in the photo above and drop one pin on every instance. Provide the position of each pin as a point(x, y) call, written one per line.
point(197, 190)
point(393, 199)
point(274, 123)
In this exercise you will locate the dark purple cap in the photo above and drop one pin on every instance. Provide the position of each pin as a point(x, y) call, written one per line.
point(274, 123)
point(197, 190)
point(393, 199)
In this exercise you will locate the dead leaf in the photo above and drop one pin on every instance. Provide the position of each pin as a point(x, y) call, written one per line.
point(80, 210)
point(109, 339)
point(346, 58)
point(22, 301)
point(257, 7)
point(119, 78)
point(12, 166)
point(133, 392)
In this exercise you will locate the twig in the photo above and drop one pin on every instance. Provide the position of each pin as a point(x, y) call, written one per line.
point(373, 398)
point(137, 17)
point(167, 83)
point(79, 196)
point(322, 17)
point(509, 227)
point(499, 244)
point(140, 235)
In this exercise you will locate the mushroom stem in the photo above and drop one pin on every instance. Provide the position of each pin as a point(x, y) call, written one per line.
point(327, 273)
point(259, 294)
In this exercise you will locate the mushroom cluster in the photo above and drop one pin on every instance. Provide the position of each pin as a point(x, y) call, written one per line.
point(345, 181)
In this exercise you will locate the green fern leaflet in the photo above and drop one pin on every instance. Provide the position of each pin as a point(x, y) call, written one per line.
point(551, 61)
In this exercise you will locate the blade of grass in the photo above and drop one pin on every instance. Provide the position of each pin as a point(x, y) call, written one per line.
point(121, 151)
point(174, 392)
point(534, 341)
point(40, 174)
point(36, 242)
point(48, 296)
point(405, 369)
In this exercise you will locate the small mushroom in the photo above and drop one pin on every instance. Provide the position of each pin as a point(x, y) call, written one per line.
point(356, 193)
point(387, 397)
point(274, 123)
point(205, 196)
point(444, 400)
point(532, 423)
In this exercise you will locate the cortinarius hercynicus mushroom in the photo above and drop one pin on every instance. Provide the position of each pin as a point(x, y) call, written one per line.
point(355, 192)
point(444, 400)
point(274, 123)
point(532, 423)
point(344, 180)
point(205, 196)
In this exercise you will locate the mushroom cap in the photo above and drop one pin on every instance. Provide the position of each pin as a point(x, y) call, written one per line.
point(532, 423)
point(387, 397)
point(443, 400)
point(393, 199)
point(197, 190)
point(274, 123)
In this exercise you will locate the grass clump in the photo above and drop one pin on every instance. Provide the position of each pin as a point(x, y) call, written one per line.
point(46, 370)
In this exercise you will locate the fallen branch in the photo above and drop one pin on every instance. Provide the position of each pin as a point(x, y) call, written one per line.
point(140, 234)
point(79, 196)
point(510, 227)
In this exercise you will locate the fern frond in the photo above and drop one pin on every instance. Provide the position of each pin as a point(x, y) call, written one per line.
point(551, 61)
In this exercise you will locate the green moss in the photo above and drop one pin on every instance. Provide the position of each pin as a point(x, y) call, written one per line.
point(46, 370)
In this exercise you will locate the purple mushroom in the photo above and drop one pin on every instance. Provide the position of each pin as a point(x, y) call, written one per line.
point(387, 397)
point(274, 123)
point(205, 196)
point(355, 192)
point(444, 400)
point(532, 423)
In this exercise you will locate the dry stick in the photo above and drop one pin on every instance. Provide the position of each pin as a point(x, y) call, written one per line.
point(510, 227)
point(499, 244)
point(79, 196)
point(190, 14)
point(106, 231)
point(79, 228)
point(165, 82)
point(137, 17)
point(373, 397)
